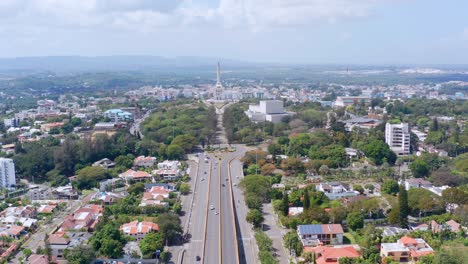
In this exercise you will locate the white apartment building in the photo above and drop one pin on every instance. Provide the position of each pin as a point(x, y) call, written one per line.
point(7, 173)
point(397, 136)
point(272, 111)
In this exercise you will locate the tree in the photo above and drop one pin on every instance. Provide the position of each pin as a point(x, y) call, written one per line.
point(355, 220)
point(136, 188)
point(81, 254)
point(150, 243)
point(455, 196)
point(253, 201)
point(258, 185)
point(169, 226)
point(358, 188)
point(175, 152)
point(267, 169)
point(306, 200)
point(370, 187)
point(186, 142)
point(419, 168)
point(111, 248)
point(378, 151)
point(89, 177)
point(124, 161)
point(403, 206)
point(285, 204)
point(390, 187)
point(184, 188)
point(254, 217)
point(293, 243)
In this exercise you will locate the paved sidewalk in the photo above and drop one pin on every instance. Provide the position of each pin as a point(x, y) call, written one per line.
point(275, 233)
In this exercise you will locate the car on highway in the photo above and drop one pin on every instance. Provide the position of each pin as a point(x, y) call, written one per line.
point(216, 213)
point(197, 258)
point(211, 207)
point(235, 184)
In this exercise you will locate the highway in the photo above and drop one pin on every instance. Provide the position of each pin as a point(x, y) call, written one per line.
point(218, 231)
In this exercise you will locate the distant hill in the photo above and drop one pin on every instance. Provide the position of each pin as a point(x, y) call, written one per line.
point(112, 63)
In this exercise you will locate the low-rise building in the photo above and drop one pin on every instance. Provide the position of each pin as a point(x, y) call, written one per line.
point(137, 176)
point(450, 225)
point(105, 163)
point(317, 235)
point(417, 183)
point(335, 190)
point(38, 259)
point(143, 161)
point(155, 196)
point(332, 254)
point(84, 219)
point(405, 249)
point(272, 111)
point(118, 115)
point(139, 230)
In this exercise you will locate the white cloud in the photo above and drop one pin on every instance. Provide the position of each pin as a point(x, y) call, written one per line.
point(253, 15)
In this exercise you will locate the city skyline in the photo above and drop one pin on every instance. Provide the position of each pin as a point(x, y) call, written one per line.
point(312, 32)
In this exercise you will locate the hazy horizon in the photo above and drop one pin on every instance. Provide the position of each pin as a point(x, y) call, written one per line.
point(293, 32)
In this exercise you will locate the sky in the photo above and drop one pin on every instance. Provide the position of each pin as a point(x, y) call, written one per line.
point(283, 31)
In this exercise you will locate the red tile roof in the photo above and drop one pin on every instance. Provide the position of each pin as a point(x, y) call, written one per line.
point(406, 240)
point(332, 229)
point(330, 255)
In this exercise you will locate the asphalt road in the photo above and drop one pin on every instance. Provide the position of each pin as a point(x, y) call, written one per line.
point(212, 247)
point(196, 228)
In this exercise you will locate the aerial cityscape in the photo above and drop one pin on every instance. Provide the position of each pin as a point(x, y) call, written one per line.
point(233, 131)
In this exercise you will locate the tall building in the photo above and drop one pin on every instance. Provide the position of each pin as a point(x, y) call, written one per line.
point(7, 173)
point(219, 86)
point(397, 136)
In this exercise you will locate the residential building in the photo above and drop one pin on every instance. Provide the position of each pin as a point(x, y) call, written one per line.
point(293, 211)
point(38, 259)
point(155, 196)
point(107, 198)
point(13, 231)
point(332, 254)
point(450, 225)
point(118, 115)
point(335, 190)
point(405, 249)
point(388, 231)
point(363, 123)
point(143, 161)
point(343, 101)
point(417, 183)
point(397, 136)
point(272, 111)
point(7, 173)
point(105, 163)
point(85, 218)
point(169, 164)
point(139, 230)
point(11, 122)
point(316, 235)
point(131, 175)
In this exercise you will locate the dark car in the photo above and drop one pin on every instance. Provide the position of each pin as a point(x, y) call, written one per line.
point(197, 258)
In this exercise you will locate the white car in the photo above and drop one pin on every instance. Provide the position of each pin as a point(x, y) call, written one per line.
point(211, 207)
point(216, 213)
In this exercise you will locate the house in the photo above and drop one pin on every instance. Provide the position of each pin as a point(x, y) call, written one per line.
point(49, 126)
point(20, 211)
point(166, 186)
point(38, 259)
point(137, 176)
point(169, 164)
point(138, 230)
point(419, 227)
point(335, 190)
point(167, 174)
point(332, 254)
point(58, 242)
point(46, 209)
point(105, 163)
point(8, 148)
point(85, 218)
point(143, 161)
point(295, 211)
point(388, 231)
point(417, 183)
point(155, 196)
point(450, 225)
point(363, 123)
point(13, 231)
point(107, 198)
point(405, 249)
point(325, 234)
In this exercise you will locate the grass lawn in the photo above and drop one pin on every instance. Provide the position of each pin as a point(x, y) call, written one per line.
point(349, 238)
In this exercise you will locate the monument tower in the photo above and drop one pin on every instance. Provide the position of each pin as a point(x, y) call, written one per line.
point(219, 86)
